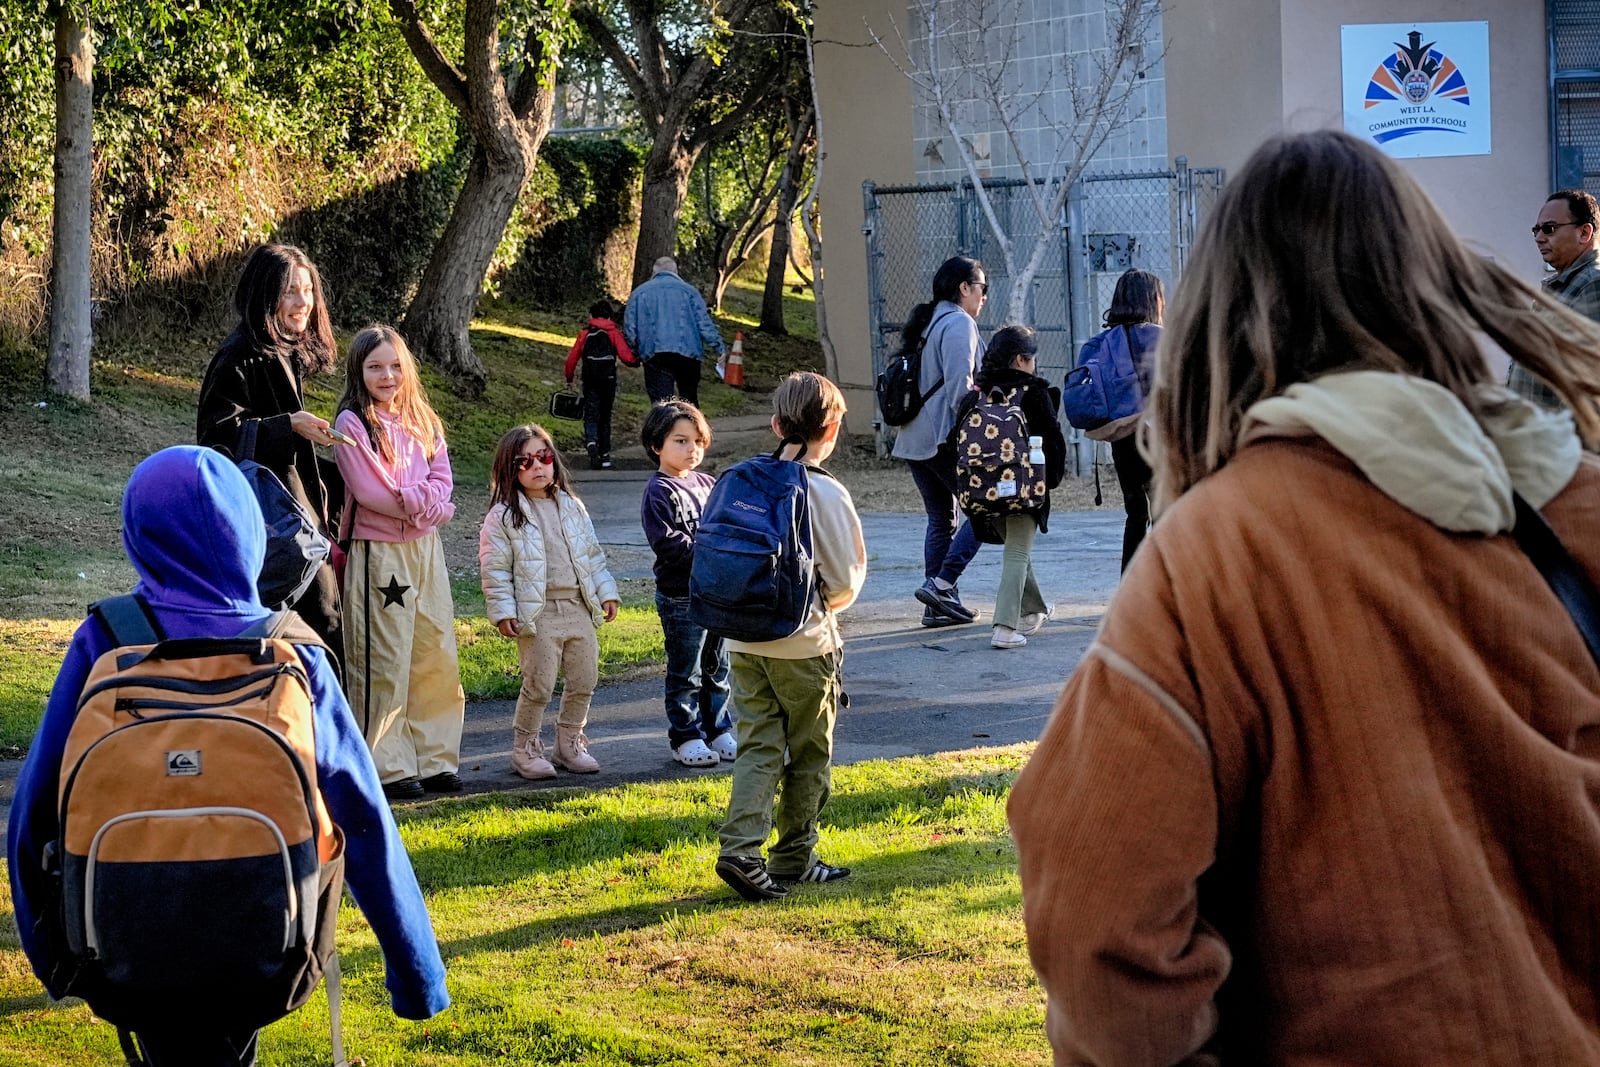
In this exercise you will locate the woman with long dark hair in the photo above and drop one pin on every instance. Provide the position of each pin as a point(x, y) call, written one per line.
point(1326, 787)
point(946, 330)
point(252, 401)
point(1133, 322)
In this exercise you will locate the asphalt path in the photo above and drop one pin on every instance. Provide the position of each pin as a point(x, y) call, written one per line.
point(913, 690)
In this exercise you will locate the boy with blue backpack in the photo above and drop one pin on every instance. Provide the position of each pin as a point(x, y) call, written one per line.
point(778, 554)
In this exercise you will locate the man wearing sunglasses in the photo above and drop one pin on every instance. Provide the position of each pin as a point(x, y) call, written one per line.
point(1565, 235)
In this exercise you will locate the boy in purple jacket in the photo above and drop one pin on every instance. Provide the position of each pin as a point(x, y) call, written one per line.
point(194, 533)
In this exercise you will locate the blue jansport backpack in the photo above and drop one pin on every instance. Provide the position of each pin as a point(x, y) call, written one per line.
point(753, 575)
point(1103, 394)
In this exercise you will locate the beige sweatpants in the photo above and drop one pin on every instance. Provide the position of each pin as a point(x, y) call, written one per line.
point(400, 671)
point(564, 643)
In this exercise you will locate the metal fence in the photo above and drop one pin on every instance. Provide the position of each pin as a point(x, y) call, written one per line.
point(1575, 94)
point(1111, 222)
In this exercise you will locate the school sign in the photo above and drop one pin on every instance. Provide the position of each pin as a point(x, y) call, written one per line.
point(1418, 89)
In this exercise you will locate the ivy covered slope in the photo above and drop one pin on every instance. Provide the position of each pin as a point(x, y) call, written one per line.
point(218, 126)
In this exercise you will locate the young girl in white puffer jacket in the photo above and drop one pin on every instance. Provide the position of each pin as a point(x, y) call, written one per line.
point(546, 584)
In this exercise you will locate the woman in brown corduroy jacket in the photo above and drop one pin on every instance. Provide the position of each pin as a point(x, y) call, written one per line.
point(1326, 788)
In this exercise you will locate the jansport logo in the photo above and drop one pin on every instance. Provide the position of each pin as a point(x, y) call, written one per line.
point(1429, 88)
point(183, 763)
point(745, 506)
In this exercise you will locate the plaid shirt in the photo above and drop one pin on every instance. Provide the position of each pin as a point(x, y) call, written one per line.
point(1578, 287)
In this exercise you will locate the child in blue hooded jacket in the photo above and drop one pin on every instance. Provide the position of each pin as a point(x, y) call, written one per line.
point(194, 533)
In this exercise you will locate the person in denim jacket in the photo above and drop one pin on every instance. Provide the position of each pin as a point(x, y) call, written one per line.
point(668, 326)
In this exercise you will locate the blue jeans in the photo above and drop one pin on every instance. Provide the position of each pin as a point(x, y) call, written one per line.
point(697, 676)
point(946, 550)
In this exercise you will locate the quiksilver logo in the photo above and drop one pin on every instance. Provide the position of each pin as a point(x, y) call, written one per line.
point(743, 506)
point(184, 762)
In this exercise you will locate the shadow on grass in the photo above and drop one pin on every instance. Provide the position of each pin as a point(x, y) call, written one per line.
point(577, 837)
point(874, 883)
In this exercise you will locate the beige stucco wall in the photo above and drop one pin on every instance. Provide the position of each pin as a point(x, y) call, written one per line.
point(1271, 65)
point(867, 130)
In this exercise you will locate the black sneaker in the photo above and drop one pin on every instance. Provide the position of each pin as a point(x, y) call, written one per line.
point(819, 872)
point(594, 456)
point(443, 782)
point(605, 462)
point(931, 618)
point(946, 602)
point(749, 878)
point(404, 789)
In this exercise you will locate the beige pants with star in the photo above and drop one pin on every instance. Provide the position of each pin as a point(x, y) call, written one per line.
point(400, 668)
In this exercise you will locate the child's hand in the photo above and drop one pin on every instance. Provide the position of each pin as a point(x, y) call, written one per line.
point(611, 607)
point(509, 627)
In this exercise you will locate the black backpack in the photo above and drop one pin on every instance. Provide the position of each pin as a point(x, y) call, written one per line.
point(199, 876)
point(753, 576)
point(900, 396)
point(599, 356)
point(296, 547)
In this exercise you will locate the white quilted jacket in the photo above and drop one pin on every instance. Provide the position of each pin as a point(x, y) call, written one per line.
point(511, 562)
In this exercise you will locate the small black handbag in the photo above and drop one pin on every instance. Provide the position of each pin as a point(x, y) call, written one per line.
point(566, 406)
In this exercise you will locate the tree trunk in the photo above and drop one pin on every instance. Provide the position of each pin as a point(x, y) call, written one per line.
point(1022, 283)
point(71, 336)
point(666, 187)
point(782, 232)
point(437, 322)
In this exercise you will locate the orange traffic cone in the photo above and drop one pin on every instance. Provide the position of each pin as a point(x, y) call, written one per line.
point(735, 372)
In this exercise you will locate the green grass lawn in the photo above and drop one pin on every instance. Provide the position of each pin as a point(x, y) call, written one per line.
point(63, 466)
point(588, 927)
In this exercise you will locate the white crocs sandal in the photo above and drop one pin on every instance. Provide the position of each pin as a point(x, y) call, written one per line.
point(694, 753)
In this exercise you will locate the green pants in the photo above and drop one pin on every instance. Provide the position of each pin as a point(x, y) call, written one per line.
point(1018, 594)
point(781, 704)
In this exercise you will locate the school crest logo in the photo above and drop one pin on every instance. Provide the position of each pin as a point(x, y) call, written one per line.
point(1419, 93)
point(1415, 74)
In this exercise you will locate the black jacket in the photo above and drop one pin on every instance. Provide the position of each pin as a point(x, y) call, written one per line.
point(1039, 402)
point(246, 389)
point(244, 385)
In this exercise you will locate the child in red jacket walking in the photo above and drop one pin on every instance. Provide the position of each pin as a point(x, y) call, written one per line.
point(599, 346)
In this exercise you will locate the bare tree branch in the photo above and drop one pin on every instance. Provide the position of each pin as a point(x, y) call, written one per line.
point(589, 20)
point(969, 64)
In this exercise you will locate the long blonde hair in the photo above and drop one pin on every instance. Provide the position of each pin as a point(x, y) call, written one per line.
point(1324, 255)
point(417, 416)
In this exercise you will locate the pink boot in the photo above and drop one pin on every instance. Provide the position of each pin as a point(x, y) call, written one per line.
point(572, 751)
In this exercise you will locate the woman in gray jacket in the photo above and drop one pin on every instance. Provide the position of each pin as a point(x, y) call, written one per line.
point(947, 332)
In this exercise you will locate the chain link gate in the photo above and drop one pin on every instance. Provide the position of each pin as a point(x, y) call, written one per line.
point(1111, 222)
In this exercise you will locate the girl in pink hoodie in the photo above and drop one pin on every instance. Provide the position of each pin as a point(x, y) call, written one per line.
point(401, 672)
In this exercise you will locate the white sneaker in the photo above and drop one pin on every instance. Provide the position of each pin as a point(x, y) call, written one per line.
point(1031, 624)
point(694, 753)
point(1006, 637)
point(725, 746)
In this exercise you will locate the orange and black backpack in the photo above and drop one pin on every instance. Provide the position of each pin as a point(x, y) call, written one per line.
point(200, 873)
